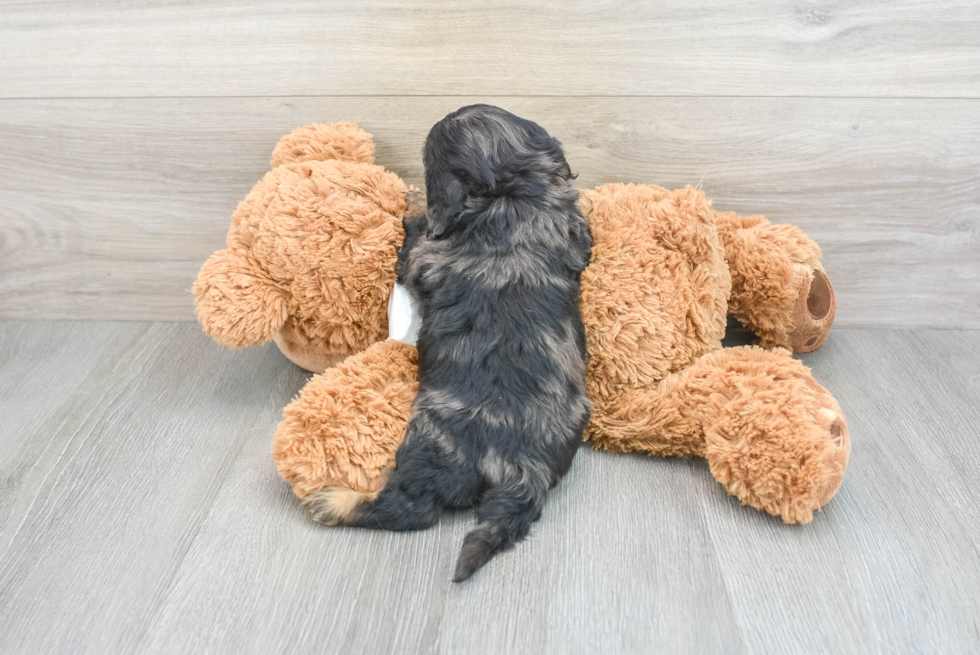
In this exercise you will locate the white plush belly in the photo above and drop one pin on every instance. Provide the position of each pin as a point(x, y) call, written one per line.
point(403, 316)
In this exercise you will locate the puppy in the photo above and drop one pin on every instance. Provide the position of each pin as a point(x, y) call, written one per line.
point(495, 267)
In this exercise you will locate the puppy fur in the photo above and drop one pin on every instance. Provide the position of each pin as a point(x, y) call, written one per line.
point(495, 266)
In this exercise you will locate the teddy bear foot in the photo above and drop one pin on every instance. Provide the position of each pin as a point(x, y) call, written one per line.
point(776, 439)
point(773, 437)
point(780, 290)
point(813, 310)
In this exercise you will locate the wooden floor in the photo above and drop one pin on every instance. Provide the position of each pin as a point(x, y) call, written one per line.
point(139, 508)
point(140, 512)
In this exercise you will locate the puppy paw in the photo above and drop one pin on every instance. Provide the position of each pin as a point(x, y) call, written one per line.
point(335, 505)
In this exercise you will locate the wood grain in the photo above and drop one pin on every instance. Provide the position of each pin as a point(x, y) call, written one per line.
point(872, 567)
point(107, 486)
point(142, 513)
point(139, 508)
point(109, 207)
point(901, 48)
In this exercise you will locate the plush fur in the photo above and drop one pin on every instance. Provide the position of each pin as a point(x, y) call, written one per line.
point(343, 141)
point(321, 442)
point(779, 287)
point(653, 301)
point(311, 251)
point(495, 266)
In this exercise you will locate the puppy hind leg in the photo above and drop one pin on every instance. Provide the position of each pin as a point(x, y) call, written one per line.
point(409, 500)
point(504, 517)
point(403, 504)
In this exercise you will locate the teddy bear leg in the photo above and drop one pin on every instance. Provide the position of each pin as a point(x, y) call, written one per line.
point(779, 289)
point(345, 426)
point(773, 436)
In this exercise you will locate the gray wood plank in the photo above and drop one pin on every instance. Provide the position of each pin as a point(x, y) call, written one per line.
point(261, 578)
point(42, 365)
point(121, 474)
point(589, 578)
point(622, 561)
point(447, 47)
point(152, 521)
point(47, 361)
point(110, 206)
point(892, 564)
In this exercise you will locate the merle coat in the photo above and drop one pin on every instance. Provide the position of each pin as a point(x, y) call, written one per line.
point(495, 266)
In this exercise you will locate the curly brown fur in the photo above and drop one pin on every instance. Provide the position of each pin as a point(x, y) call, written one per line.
point(653, 303)
point(323, 441)
point(779, 288)
point(495, 265)
point(310, 252)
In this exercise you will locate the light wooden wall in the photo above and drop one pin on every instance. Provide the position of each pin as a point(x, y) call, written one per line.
point(130, 130)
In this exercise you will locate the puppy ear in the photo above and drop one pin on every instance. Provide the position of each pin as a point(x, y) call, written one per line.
point(414, 229)
point(579, 242)
point(237, 303)
point(447, 199)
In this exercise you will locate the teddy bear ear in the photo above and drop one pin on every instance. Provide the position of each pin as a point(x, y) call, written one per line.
point(343, 141)
point(237, 304)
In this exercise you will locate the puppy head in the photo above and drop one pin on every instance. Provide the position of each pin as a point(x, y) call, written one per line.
point(482, 151)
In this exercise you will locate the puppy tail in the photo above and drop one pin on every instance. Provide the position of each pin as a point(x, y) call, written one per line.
point(479, 547)
point(506, 515)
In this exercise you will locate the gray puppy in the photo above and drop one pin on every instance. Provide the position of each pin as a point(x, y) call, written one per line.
point(495, 266)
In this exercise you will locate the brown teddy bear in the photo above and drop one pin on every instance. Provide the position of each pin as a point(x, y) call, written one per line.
point(311, 263)
point(311, 251)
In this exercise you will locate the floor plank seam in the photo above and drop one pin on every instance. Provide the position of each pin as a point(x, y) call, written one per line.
point(495, 96)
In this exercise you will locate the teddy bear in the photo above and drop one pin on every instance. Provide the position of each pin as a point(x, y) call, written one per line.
point(310, 264)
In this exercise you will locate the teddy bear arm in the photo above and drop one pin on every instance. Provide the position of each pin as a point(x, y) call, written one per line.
point(780, 290)
point(236, 302)
point(772, 435)
point(345, 427)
